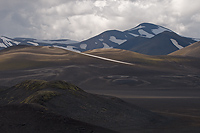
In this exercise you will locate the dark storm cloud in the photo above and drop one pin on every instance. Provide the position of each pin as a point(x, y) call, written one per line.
point(81, 19)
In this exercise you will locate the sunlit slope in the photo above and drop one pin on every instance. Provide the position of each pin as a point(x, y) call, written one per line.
point(46, 63)
point(124, 55)
point(192, 50)
point(147, 61)
point(21, 57)
point(26, 57)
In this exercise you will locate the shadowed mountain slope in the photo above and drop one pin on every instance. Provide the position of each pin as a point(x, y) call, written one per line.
point(145, 38)
point(161, 44)
point(70, 101)
point(192, 50)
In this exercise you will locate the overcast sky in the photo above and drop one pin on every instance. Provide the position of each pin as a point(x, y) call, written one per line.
point(82, 19)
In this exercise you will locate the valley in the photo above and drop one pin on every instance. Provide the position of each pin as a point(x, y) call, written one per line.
point(145, 79)
point(165, 85)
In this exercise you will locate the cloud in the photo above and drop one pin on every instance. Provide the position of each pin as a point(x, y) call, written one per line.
point(82, 19)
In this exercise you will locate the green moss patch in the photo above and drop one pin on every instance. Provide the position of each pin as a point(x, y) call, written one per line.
point(63, 85)
point(42, 84)
point(32, 84)
point(40, 97)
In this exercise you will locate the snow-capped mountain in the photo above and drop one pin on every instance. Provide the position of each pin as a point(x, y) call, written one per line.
point(7, 42)
point(146, 38)
point(152, 39)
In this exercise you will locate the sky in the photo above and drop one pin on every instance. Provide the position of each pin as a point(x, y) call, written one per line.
point(81, 19)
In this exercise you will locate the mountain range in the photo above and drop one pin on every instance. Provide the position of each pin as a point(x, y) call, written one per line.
point(146, 38)
point(6, 42)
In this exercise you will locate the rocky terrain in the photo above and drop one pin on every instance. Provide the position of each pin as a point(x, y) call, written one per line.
point(42, 78)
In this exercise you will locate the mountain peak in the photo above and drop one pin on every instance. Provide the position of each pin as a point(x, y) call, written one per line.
point(149, 24)
point(145, 25)
point(147, 30)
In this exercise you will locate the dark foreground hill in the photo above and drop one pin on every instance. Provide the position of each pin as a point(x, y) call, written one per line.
point(32, 118)
point(70, 101)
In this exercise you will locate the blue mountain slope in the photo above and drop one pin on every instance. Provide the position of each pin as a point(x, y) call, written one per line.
point(161, 44)
point(145, 38)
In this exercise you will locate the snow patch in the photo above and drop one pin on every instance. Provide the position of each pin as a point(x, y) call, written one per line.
point(95, 42)
point(2, 45)
point(176, 44)
point(70, 48)
point(7, 41)
point(139, 27)
point(17, 43)
point(146, 34)
point(115, 40)
point(196, 39)
point(101, 40)
point(106, 46)
point(83, 46)
point(135, 35)
point(159, 30)
point(35, 44)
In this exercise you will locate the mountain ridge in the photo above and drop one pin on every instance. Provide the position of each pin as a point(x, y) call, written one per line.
point(144, 38)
